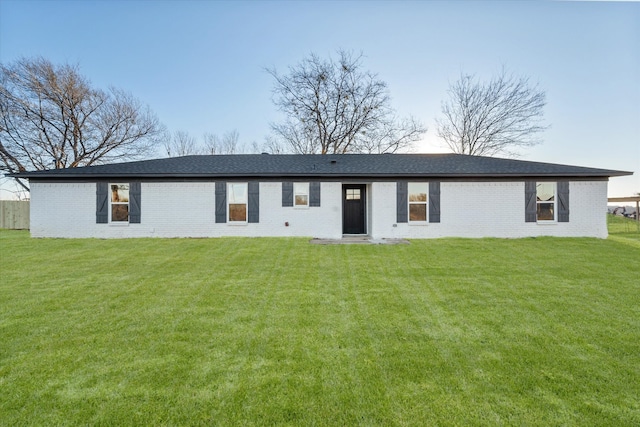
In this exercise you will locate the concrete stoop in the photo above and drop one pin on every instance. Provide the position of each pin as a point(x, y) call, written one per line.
point(358, 240)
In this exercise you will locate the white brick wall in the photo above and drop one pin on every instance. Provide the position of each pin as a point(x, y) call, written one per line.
point(181, 209)
point(184, 209)
point(62, 210)
point(492, 209)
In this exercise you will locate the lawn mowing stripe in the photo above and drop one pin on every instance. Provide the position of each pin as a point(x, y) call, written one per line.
point(447, 331)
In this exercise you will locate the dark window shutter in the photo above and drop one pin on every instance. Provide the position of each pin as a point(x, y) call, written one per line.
point(530, 208)
point(221, 202)
point(253, 193)
point(402, 189)
point(287, 194)
point(135, 196)
point(563, 201)
point(314, 194)
point(434, 201)
point(102, 202)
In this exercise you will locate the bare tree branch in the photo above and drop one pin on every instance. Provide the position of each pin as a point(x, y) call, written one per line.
point(51, 118)
point(182, 144)
point(487, 119)
point(229, 143)
point(336, 107)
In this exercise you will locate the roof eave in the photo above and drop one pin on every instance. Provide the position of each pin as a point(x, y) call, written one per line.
point(37, 176)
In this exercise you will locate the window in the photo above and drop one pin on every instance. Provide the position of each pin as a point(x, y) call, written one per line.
point(417, 192)
point(301, 194)
point(119, 202)
point(546, 201)
point(237, 202)
point(353, 193)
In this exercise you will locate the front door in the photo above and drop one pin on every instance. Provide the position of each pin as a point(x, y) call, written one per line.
point(353, 209)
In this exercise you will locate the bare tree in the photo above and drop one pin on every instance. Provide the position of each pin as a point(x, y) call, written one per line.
point(492, 118)
point(229, 143)
point(50, 117)
point(254, 148)
point(336, 107)
point(182, 144)
point(390, 136)
point(273, 146)
point(212, 143)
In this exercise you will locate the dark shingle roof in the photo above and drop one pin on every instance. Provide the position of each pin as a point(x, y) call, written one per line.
point(324, 166)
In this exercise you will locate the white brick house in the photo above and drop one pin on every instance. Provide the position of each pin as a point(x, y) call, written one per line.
point(382, 196)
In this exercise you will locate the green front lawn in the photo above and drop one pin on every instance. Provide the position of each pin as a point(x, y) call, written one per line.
point(541, 331)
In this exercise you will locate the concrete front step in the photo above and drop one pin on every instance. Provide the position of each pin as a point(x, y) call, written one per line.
point(358, 240)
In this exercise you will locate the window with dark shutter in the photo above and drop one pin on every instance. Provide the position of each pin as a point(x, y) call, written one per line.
point(418, 205)
point(237, 202)
point(401, 201)
point(221, 202)
point(300, 194)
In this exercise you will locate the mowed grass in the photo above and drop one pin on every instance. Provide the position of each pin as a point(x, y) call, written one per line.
point(227, 331)
point(623, 228)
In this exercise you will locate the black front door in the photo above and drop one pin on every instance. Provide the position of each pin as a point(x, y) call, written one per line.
point(353, 209)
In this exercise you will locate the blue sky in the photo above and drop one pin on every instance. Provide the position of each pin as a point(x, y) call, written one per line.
point(200, 64)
